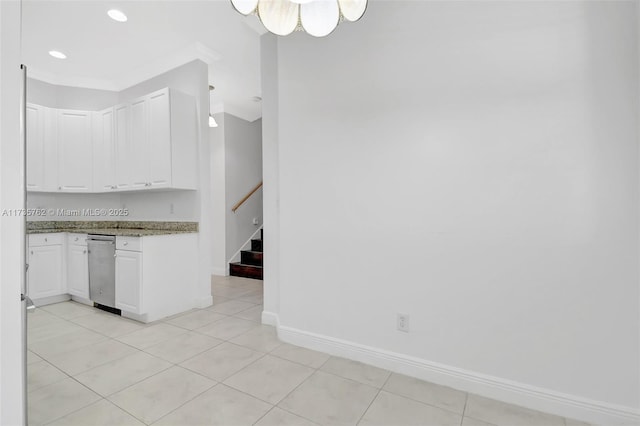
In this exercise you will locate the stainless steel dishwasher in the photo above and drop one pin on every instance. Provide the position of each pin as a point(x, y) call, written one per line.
point(102, 269)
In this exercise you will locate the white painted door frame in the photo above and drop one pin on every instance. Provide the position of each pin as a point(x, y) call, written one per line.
point(12, 401)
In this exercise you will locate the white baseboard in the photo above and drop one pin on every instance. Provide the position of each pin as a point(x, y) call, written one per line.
point(222, 272)
point(270, 318)
point(51, 300)
point(204, 302)
point(528, 396)
point(82, 300)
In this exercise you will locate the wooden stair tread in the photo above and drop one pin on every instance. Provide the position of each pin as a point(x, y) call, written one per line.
point(245, 264)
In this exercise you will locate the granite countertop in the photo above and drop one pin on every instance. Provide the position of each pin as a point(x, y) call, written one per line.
point(128, 229)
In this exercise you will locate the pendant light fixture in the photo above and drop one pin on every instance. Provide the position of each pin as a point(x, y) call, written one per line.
point(317, 17)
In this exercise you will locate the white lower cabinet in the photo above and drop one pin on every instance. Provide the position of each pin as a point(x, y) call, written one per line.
point(77, 266)
point(129, 281)
point(45, 276)
point(156, 276)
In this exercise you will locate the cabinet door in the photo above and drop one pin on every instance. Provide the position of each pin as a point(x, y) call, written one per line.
point(138, 144)
point(159, 140)
point(104, 151)
point(51, 150)
point(74, 151)
point(44, 276)
point(129, 281)
point(35, 147)
point(122, 136)
point(78, 271)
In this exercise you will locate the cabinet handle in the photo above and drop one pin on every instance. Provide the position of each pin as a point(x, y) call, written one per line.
point(76, 239)
point(84, 252)
point(31, 251)
point(126, 243)
point(46, 239)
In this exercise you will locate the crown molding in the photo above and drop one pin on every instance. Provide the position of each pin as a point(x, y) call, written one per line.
point(195, 51)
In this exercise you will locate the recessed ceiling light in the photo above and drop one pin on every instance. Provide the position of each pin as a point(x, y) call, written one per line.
point(57, 55)
point(117, 15)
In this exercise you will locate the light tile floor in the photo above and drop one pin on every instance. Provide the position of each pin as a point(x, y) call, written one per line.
point(220, 366)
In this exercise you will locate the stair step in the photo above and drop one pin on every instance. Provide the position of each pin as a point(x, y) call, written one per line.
point(251, 257)
point(247, 271)
point(256, 245)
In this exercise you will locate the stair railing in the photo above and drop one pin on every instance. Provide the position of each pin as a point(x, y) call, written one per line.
point(246, 197)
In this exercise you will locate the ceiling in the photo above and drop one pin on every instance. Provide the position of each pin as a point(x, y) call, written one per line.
point(158, 36)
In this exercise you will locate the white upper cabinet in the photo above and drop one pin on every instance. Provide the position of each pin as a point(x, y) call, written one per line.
point(148, 143)
point(35, 147)
point(75, 159)
point(163, 141)
point(104, 151)
point(183, 139)
point(122, 136)
point(160, 150)
point(138, 162)
point(159, 132)
point(42, 148)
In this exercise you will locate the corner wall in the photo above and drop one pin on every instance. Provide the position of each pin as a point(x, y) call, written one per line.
point(475, 166)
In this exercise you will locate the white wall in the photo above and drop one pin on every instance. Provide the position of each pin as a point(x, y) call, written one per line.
point(11, 227)
point(271, 177)
point(218, 198)
point(243, 169)
point(473, 165)
point(236, 168)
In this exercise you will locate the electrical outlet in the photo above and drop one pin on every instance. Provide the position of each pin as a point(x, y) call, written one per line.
point(403, 323)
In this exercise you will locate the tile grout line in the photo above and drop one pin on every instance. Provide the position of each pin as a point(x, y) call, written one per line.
point(373, 399)
point(292, 391)
point(216, 383)
point(83, 407)
point(426, 403)
point(264, 415)
point(142, 350)
point(392, 392)
point(464, 409)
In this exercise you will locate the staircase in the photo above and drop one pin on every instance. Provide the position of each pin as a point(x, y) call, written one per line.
point(250, 265)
